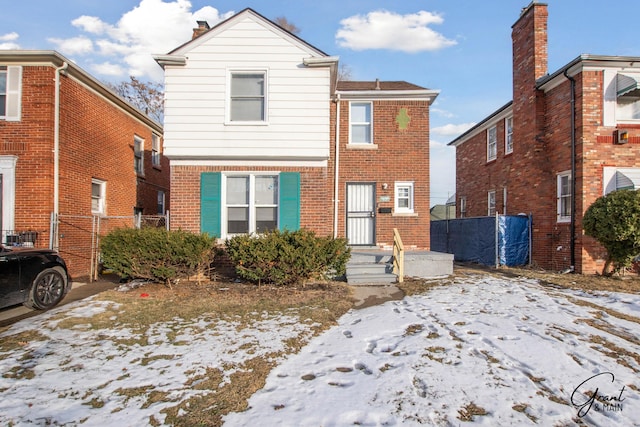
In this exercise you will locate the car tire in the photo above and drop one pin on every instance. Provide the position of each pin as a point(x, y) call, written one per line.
point(47, 289)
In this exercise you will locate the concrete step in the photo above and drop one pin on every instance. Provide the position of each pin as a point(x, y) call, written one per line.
point(371, 279)
point(370, 273)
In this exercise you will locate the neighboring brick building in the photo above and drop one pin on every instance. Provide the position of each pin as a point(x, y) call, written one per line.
point(257, 129)
point(533, 154)
point(69, 147)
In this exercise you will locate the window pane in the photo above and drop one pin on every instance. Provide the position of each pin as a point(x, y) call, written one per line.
point(266, 219)
point(247, 85)
point(3, 92)
point(238, 190)
point(238, 220)
point(360, 133)
point(360, 113)
point(266, 190)
point(95, 190)
point(247, 109)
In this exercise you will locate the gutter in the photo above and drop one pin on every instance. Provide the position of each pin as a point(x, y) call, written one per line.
point(53, 239)
point(572, 243)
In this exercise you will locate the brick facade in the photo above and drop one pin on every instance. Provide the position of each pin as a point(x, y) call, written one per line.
point(542, 139)
point(95, 141)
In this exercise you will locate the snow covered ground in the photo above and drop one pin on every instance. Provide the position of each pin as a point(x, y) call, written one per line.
point(486, 351)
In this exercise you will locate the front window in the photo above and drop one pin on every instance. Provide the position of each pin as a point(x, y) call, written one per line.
point(492, 143)
point(155, 150)
point(360, 123)
point(251, 203)
point(508, 137)
point(138, 155)
point(564, 197)
point(491, 203)
point(98, 196)
point(404, 197)
point(247, 97)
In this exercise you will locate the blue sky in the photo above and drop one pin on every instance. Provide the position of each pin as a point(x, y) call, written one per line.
point(460, 47)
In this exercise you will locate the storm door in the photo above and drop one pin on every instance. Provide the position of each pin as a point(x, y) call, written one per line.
point(361, 214)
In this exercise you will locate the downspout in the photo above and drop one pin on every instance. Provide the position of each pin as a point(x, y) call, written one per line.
point(53, 241)
point(572, 228)
point(336, 180)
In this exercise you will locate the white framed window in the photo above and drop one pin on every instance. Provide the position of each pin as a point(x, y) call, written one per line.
point(155, 150)
point(360, 123)
point(463, 207)
point(491, 203)
point(508, 135)
point(98, 196)
point(10, 92)
point(250, 203)
point(492, 143)
point(161, 200)
point(628, 96)
point(404, 197)
point(247, 100)
point(138, 155)
point(564, 197)
point(614, 178)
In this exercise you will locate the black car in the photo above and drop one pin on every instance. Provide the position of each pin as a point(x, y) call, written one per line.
point(37, 278)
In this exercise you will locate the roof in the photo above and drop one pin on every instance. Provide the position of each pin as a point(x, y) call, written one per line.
point(51, 57)
point(348, 85)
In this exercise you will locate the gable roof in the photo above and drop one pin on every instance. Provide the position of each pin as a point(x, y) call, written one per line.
point(255, 16)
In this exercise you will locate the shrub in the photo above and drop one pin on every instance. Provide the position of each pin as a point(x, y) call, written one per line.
point(614, 220)
point(287, 257)
point(156, 254)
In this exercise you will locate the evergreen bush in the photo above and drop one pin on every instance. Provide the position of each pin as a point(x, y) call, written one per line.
point(287, 257)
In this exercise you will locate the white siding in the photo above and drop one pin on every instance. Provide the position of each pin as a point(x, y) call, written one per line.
point(298, 99)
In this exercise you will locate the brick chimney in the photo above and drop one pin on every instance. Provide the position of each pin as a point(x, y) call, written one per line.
point(203, 27)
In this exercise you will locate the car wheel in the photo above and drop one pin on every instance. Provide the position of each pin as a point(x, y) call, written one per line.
point(47, 289)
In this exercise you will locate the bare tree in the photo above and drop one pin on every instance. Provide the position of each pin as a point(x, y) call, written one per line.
point(344, 72)
point(147, 97)
point(289, 26)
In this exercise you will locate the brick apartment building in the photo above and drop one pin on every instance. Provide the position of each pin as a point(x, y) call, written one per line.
point(71, 148)
point(566, 138)
point(261, 135)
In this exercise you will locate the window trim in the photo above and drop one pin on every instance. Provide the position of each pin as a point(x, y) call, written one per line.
point(493, 130)
point(560, 197)
point(252, 205)
point(102, 199)
point(368, 123)
point(156, 153)
point(491, 203)
point(138, 155)
point(508, 135)
point(265, 97)
point(411, 196)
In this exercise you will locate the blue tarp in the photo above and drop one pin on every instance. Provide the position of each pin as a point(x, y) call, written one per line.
point(474, 239)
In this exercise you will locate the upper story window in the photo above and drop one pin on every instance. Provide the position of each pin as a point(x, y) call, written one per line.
point(155, 150)
point(138, 155)
point(98, 196)
point(10, 88)
point(508, 135)
point(628, 96)
point(564, 197)
point(360, 123)
point(404, 197)
point(492, 143)
point(491, 203)
point(247, 97)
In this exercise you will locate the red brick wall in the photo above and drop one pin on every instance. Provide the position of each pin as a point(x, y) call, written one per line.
point(96, 141)
point(401, 155)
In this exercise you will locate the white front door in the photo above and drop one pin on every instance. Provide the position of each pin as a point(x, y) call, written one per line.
point(361, 214)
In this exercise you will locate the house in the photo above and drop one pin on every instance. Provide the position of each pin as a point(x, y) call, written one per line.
point(75, 159)
point(566, 138)
point(261, 135)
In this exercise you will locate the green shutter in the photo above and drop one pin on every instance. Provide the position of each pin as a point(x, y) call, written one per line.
point(289, 209)
point(210, 208)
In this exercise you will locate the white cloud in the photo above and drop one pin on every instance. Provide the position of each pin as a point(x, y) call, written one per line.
point(153, 26)
point(9, 37)
point(388, 30)
point(452, 130)
point(73, 46)
point(7, 41)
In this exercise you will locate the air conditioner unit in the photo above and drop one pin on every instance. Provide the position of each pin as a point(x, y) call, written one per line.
point(620, 136)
